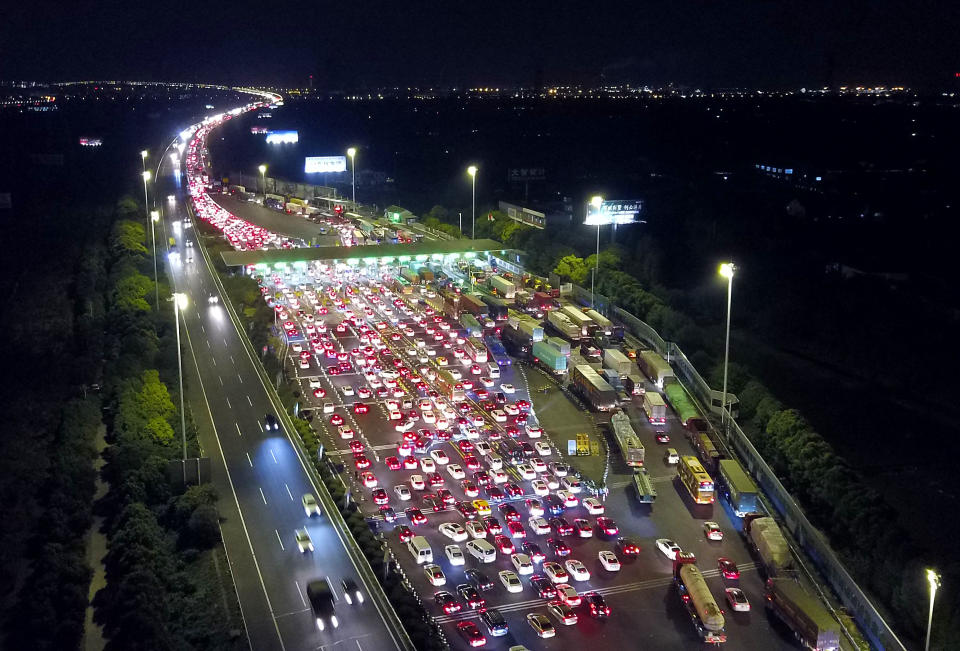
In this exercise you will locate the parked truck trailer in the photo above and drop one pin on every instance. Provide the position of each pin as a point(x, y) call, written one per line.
point(764, 534)
point(804, 614)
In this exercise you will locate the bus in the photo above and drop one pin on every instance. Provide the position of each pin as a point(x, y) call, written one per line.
point(707, 451)
point(695, 478)
point(496, 350)
point(737, 486)
point(477, 352)
point(449, 387)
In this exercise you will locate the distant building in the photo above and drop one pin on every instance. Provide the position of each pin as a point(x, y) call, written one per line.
point(539, 215)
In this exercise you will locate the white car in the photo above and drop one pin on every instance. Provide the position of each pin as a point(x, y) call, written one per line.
point(483, 448)
point(428, 416)
point(456, 471)
point(494, 462)
point(329, 407)
point(347, 390)
point(526, 471)
point(345, 432)
point(511, 581)
point(539, 488)
point(569, 499)
point(609, 561)
point(552, 482)
point(499, 477)
point(559, 469)
point(476, 529)
point(487, 382)
point(538, 525)
point(543, 448)
point(577, 570)
point(454, 373)
point(499, 415)
point(304, 363)
point(427, 465)
point(434, 575)
point(402, 492)
point(511, 409)
point(310, 506)
point(539, 465)
point(453, 531)
point(533, 432)
point(593, 505)
point(555, 572)
point(572, 484)
point(315, 382)
point(454, 555)
point(672, 457)
point(417, 483)
point(522, 564)
point(508, 388)
point(303, 540)
point(296, 347)
point(440, 457)
point(737, 600)
point(712, 531)
point(668, 548)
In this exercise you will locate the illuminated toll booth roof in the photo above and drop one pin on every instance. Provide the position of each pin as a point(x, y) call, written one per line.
point(366, 255)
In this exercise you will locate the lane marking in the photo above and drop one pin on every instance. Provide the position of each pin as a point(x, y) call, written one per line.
point(332, 590)
point(202, 329)
point(239, 433)
point(214, 360)
point(221, 380)
point(288, 492)
point(208, 343)
point(302, 600)
point(262, 496)
point(259, 424)
point(274, 457)
point(282, 548)
point(225, 344)
point(231, 360)
point(249, 460)
point(240, 378)
point(228, 400)
point(249, 401)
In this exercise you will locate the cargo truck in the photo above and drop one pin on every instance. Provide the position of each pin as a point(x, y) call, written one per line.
point(549, 357)
point(606, 326)
point(563, 325)
point(737, 487)
point(612, 378)
point(516, 342)
point(768, 541)
point(560, 344)
point(532, 328)
point(646, 493)
point(634, 385)
point(655, 408)
point(472, 304)
point(472, 326)
point(426, 275)
point(655, 368)
point(594, 389)
point(627, 440)
point(497, 308)
point(704, 612)
point(581, 320)
point(410, 275)
point(614, 359)
point(503, 287)
point(804, 614)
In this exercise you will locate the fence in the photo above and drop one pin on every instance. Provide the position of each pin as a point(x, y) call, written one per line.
point(813, 542)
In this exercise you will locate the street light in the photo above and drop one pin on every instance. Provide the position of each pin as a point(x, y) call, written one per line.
point(154, 218)
point(352, 152)
point(146, 177)
point(263, 181)
point(934, 579)
point(179, 304)
point(472, 171)
point(727, 270)
point(597, 203)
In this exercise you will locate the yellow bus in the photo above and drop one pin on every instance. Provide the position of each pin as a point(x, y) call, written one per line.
point(696, 479)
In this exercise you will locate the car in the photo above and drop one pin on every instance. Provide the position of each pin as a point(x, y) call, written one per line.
point(404, 533)
point(482, 478)
point(569, 499)
point(662, 437)
point(402, 492)
point(543, 448)
point(499, 416)
point(609, 561)
point(737, 600)
point(487, 382)
point(336, 419)
point(538, 525)
point(415, 516)
point(522, 563)
point(369, 479)
point(534, 506)
point(453, 531)
point(593, 505)
point(270, 422)
point(513, 490)
point(476, 529)
point(712, 531)
point(560, 526)
point(597, 605)
point(417, 483)
point(510, 581)
point(319, 392)
point(380, 496)
point(454, 554)
point(562, 612)
point(393, 463)
point(360, 408)
point(496, 494)
point(494, 462)
point(728, 568)
point(555, 572)
point(608, 526)
point(347, 390)
point(509, 512)
point(470, 596)
point(447, 602)
point(534, 432)
point(541, 625)
point(668, 548)
point(504, 544)
point(551, 481)
point(446, 497)
point(479, 580)
point(345, 432)
point(568, 594)
point(628, 546)
point(516, 530)
point(493, 525)
point(572, 484)
point(431, 502)
point(577, 569)
point(532, 550)
point(351, 591)
point(526, 471)
point(508, 388)
point(583, 528)
point(303, 540)
point(310, 505)
point(482, 506)
point(466, 510)
point(428, 465)
point(559, 469)
point(471, 633)
point(494, 621)
point(434, 574)
point(469, 488)
point(321, 597)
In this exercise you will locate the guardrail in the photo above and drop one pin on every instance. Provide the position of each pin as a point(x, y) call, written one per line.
point(813, 542)
point(367, 575)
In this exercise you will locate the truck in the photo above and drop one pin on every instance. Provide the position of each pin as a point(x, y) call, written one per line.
point(737, 487)
point(646, 493)
point(472, 304)
point(803, 613)
point(549, 357)
point(497, 308)
point(634, 385)
point(563, 325)
point(613, 358)
point(410, 275)
point(655, 368)
point(560, 344)
point(704, 612)
point(518, 343)
point(612, 378)
point(532, 328)
point(503, 287)
point(594, 389)
point(426, 275)
point(581, 320)
point(470, 323)
point(707, 452)
point(627, 440)
point(655, 408)
point(766, 538)
point(605, 326)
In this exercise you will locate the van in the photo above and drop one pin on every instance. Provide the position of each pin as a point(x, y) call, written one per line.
point(493, 371)
point(482, 550)
point(420, 549)
point(671, 456)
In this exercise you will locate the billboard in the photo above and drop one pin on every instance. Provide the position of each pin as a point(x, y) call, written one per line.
point(613, 212)
point(520, 175)
point(259, 130)
point(282, 137)
point(324, 164)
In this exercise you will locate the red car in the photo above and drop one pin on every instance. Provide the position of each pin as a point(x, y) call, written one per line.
point(361, 461)
point(444, 435)
point(404, 533)
point(465, 446)
point(319, 393)
point(360, 408)
point(333, 370)
point(336, 419)
point(415, 516)
point(393, 463)
point(608, 526)
point(410, 463)
point(380, 496)
point(356, 447)
point(482, 478)
point(446, 497)
point(492, 525)
point(471, 633)
point(728, 568)
point(496, 494)
point(504, 544)
point(469, 488)
point(471, 462)
point(435, 479)
point(516, 530)
point(628, 546)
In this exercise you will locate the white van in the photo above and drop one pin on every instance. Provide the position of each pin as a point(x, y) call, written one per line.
point(671, 456)
point(482, 550)
point(420, 550)
point(493, 371)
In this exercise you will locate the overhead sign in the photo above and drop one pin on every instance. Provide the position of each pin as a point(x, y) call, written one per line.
point(520, 175)
point(613, 212)
point(324, 164)
point(259, 131)
point(90, 142)
point(283, 137)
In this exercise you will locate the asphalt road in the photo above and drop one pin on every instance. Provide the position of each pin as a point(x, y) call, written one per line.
point(275, 221)
point(259, 476)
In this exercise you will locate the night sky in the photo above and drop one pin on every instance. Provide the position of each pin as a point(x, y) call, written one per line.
point(355, 44)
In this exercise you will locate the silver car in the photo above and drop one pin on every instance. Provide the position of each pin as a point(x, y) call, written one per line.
point(303, 540)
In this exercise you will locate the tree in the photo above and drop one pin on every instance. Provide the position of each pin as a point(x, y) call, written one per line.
point(130, 291)
point(128, 239)
point(572, 268)
point(204, 526)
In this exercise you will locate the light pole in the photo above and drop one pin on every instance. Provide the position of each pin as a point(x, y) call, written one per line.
point(263, 181)
point(934, 579)
point(352, 152)
point(727, 270)
point(154, 218)
point(146, 205)
point(143, 162)
point(597, 203)
point(179, 304)
point(472, 171)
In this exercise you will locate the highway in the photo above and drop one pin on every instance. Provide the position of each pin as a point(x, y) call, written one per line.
point(259, 475)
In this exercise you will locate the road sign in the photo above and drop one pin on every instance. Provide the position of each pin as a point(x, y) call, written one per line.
point(595, 448)
point(583, 445)
point(571, 447)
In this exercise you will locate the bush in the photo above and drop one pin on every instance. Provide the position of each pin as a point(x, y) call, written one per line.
point(204, 527)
